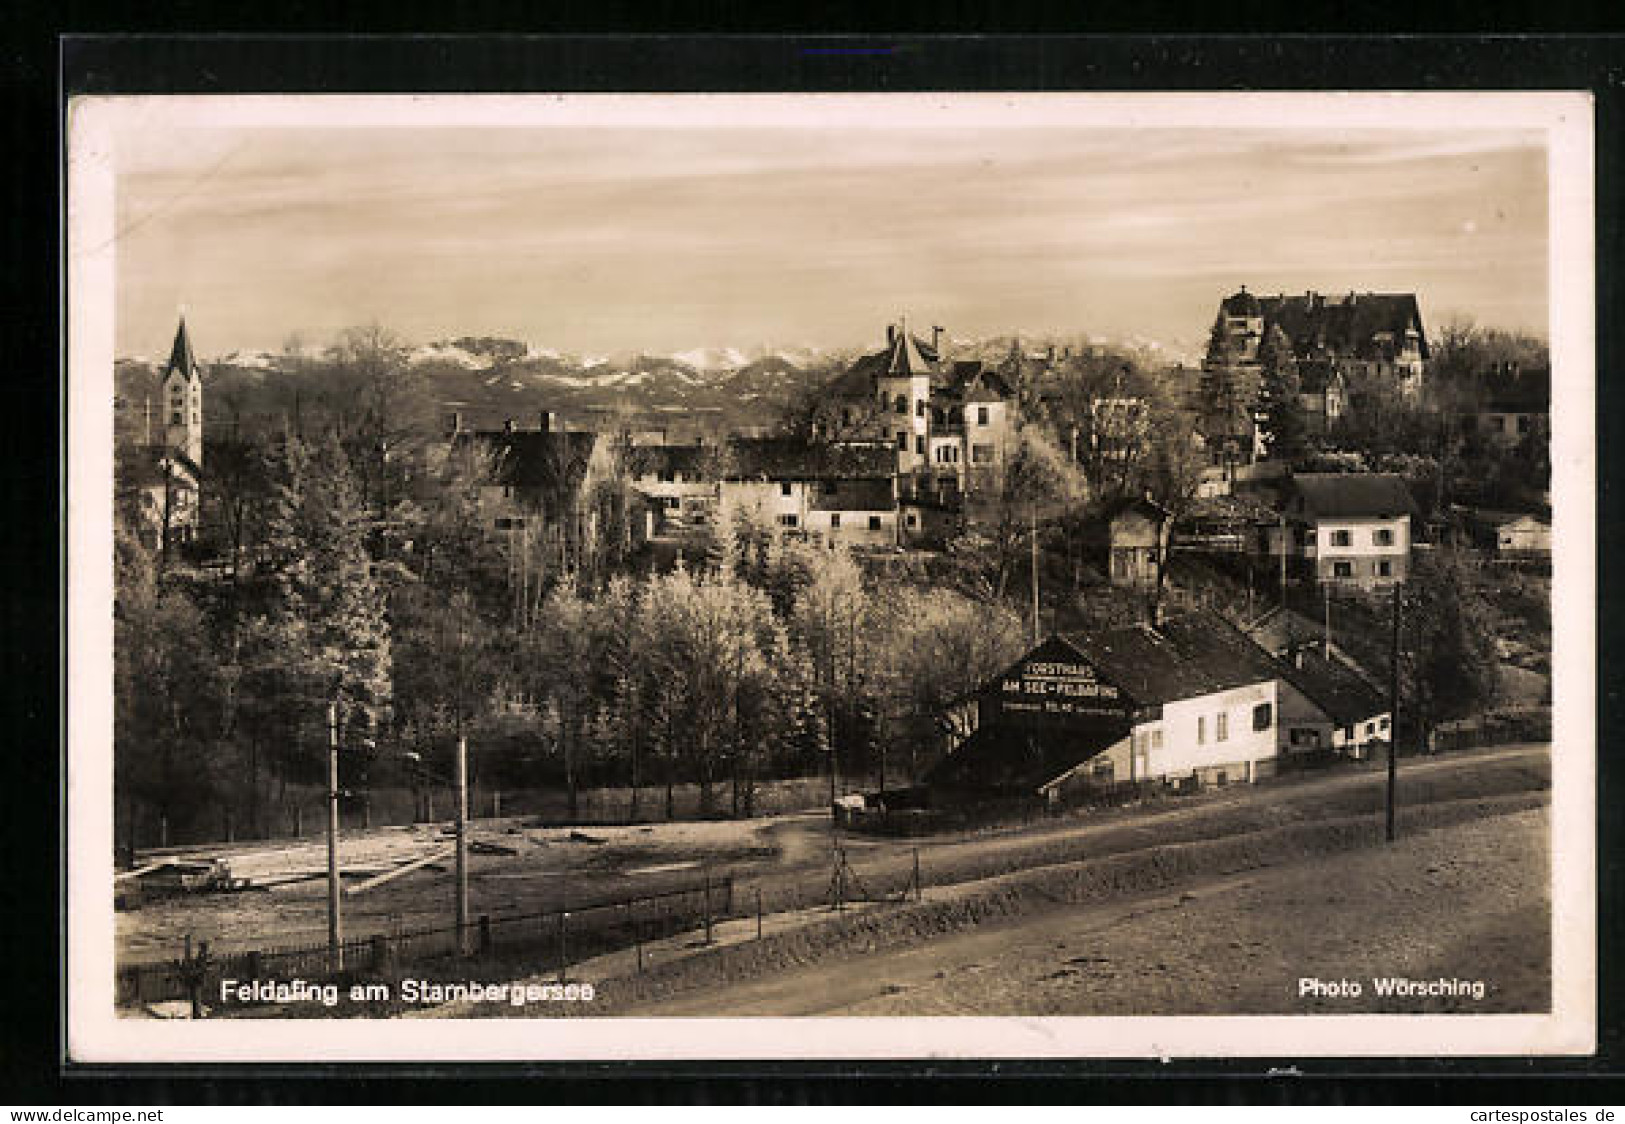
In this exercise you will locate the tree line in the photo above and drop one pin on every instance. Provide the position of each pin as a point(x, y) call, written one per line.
point(345, 561)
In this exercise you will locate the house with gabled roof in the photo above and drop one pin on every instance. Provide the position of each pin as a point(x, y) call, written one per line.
point(949, 422)
point(1189, 700)
point(1346, 528)
point(1368, 333)
point(828, 491)
point(1326, 704)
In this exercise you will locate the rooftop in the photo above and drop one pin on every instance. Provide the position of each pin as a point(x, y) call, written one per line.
point(1332, 494)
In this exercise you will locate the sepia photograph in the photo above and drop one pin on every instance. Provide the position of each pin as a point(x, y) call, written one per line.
point(951, 575)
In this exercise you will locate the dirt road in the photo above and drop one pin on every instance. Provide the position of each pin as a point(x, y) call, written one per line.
point(786, 858)
point(1467, 903)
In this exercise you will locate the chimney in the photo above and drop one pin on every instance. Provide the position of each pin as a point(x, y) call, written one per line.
point(548, 421)
point(891, 335)
point(454, 422)
point(936, 338)
point(1050, 353)
point(507, 425)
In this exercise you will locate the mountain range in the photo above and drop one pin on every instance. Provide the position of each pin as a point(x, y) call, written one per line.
point(489, 379)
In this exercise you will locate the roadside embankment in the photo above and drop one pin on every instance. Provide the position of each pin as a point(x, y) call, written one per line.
point(948, 909)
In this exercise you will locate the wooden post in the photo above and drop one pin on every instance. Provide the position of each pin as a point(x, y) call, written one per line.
point(335, 923)
point(707, 909)
point(562, 915)
point(917, 888)
point(758, 913)
point(486, 942)
point(462, 845)
point(1393, 717)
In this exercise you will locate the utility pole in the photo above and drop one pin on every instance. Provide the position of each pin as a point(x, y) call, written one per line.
point(335, 924)
point(1283, 559)
point(1326, 644)
point(462, 845)
point(1032, 515)
point(1393, 714)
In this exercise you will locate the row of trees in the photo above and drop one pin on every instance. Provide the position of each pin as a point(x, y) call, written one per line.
point(346, 560)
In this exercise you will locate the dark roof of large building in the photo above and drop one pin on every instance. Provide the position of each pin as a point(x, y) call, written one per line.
point(149, 465)
point(1332, 494)
point(1329, 683)
point(1527, 392)
point(1241, 303)
point(1347, 325)
point(1004, 757)
point(553, 461)
point(1184, 657)
point(791, 458)
point(862, 494)
point(650, 460)
point(181, 357)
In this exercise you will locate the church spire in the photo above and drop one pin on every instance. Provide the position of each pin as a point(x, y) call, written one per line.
point(181, 357)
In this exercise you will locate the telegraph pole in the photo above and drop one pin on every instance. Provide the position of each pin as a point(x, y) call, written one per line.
point(462, 844)
point(1393, 714)
point(335, 924)
point(1326, 645)
point(1283, 559)
point(1032, 514)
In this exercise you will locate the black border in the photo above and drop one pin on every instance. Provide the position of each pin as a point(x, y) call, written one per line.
point(653, 63)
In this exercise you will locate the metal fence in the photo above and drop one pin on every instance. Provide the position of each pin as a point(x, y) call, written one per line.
point(554, 939)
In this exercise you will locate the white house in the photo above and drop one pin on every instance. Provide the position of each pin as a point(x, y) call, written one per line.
point(1191, 701)
point(1327, 705)
point(1346, 527)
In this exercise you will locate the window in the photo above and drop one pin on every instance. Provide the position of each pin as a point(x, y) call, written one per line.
point(1523, 423)
point(913, 520)
point(667, 476)
point(902, 441)
point(1341, 538)
point(1385, 569)
point(919, 407)
point(1263, 716)
point(874, 522)
point(1342, 569)
point(784, 487)
point(1201, 729)
point(835, 520)
point(900, 404)
point(981, 454)
point(175, 418)
point(788, 521)
point(1383, 536)
point(1384, 723)
point(1221, 727)
point(919, 444)
point(981, 415)
point(1156, 738)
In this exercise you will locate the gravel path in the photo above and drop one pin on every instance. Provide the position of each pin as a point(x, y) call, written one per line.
point(1469, 902)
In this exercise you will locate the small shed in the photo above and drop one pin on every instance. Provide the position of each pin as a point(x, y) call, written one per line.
point(1138, 543)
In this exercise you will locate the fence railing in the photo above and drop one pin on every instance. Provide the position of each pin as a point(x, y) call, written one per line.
point(556, 939)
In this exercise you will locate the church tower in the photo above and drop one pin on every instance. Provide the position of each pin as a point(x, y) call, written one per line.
point(183, 399)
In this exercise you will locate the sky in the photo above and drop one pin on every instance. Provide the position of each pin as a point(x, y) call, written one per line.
point(662, 239)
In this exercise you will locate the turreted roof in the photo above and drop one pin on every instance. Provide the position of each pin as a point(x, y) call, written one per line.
point(181, 358)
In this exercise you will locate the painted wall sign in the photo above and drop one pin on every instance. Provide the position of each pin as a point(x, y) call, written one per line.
point(1058, 689)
